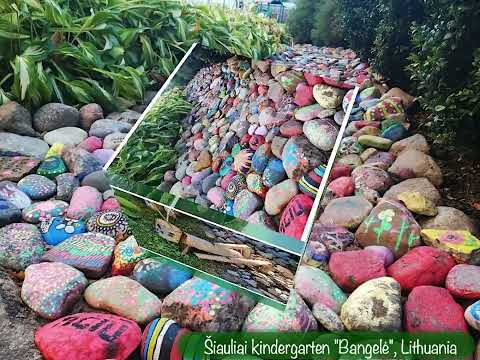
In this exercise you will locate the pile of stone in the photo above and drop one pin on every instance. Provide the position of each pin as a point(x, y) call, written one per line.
point(260, 134)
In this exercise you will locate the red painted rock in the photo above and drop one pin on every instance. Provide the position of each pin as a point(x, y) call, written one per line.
point(295, 216)
point(256, 141)
point(291, 128)
point(339, 170)
point(304, 95)
point(463, 281)
point(423, 265)
point(88, 336)
point(349, 269)
point(433, 309)
point(312, 80)
point(342, 186)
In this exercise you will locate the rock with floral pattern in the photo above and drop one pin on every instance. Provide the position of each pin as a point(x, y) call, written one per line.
point(110, 222)
point(126, 255)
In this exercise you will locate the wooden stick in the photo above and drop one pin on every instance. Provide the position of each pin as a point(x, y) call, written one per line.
point(204, 245)
point(244, 249)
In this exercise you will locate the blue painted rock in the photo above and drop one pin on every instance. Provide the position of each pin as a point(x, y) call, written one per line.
point(296, 317)
point(93, 336)
point(66, 185)
point(295, 216)
point(226, 166)
point(9, 213)
point(321, 134)
point(316, 254)
point(300, 156)
point(237, 184)
point(160, 340)
point(51, 289)
point(58, 229)
point(394, 132)
point(335, 238)
point(243, 161)
point(274, 172)
point(44, 210)
point(80, 162)
point(227, 207)
point(15, 168)
point(37, 187)
point(20, 246)
point(125, 297)
point(260, 158)
point(52, 167)
point(204, 306)
point(310, 182)
point(472, 315)
point(126, 255)
point(90, 253)
point(110, 222)
point(86, 200)
point(159, 276)
point(9, 192)
point(245, 204)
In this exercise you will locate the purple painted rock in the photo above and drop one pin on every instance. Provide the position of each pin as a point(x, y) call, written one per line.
point(335, 238)
point(10, 192)
point(51, 289)
point(245, 204)
point(103, 155)
point(296, 317)
point(312, 112)
point(110, 222)
point(315, 286)
point(370, 177)
point(316, 254)
point(80, 162)
point(295, 216)
point(299, 156)
point(37, 187)
point(125, 297)
point(291, 128)
point(15, 168)
point(217, 196)
point(44, 210)
point(279, 196)
point(85, 201)
point(89, 252)
point(243, 161)
point(382, 251)
point(204, 306)
point(380, 159)
point(348, 212)
point(320, 133)
point(390, 224)
point(416, 164)
point(20, 246)
point(92, 336)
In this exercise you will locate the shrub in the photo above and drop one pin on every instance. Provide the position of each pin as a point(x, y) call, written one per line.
point(300, 21)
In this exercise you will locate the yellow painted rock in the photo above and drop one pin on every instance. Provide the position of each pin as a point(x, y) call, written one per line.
point(462, 245)
point(55, 150)
point(417, 203)
point(328, 97)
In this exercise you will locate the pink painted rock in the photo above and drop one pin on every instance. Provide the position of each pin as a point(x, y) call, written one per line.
point(187, 180)
point(370, 177)
point(312, 80)
point(382, 251)
point(85, 201)
point(339, 170)
point(217, 196)
point(227, 179)
point(88, 336)
point(110, 204)
point(91, 144)
point(304, 95)
point(342, 186)
point(295, 216)
point(349, 269)
point(423, 265)
point(463, 281)
point(291, 128)
point(433, 309)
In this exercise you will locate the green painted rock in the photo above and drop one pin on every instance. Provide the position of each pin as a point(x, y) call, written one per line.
point(376, 142)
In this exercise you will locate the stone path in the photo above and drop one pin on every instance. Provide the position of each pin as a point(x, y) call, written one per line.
point(382, 240)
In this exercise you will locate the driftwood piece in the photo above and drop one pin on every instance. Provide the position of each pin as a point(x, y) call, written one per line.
point(236, 261)
point(207, 246)
point(168, 231)
point(245, 250)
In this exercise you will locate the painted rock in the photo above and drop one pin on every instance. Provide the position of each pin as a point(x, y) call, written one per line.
point(449, 218)
point(52, 167)
point(204, 306)
point(348, 212)
point(217, 196)
point(92, 336)
point(67, 183)
point(15, 168)
point(320, 133)
point(394, 132)
point(44, 210)
point(417, 203)
point(391, 225)
point(126, 255)
point(20, 246)
point(9, 213)
point(51, 289)
point(160, 276)
point(304, 95)
point(380, 159)
point(335, 238)
point(226, 166)
point(433, 309)
point(110, 204)
point(472, 315)
point(161, 340)
point(261, 218)
point(80, 162)
point(245, 204)
point(328, 318)
point(315, 286)
point(55, 150)
point(291, 128)
point(90, 253)
point(385, 253)
point(423, 265)
point(312, 79)
point(237, 184)
point(384, 109)
point(125, 297)
point(277, 145)
point(243, 161)
point(91, 144)
point(342, 186)
point(274, 172)
point(299, 156)
point(350, 145)
point(256, 141)
point(310, 182)
point(462, 245)
point(376, 142)
point(279, 196)
point(311, 112)
point(374, 306)
point(349, 269)
point(296, 317)
point(290, 80)
point(370, 177)
point(416, 164)
point(57, 229)
point(295, 216)
point(37, 187)
point(110, 222)
point(255, 184)
point(9, 192)
point(316, 254)
point(86, 200)
point(463, 281)
point(260, 158)
point(327, 96)
point(414, 142)
point(227, 207)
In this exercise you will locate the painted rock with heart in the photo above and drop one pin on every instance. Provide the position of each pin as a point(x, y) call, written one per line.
point(161, 340)
point(86, 200)
point(110, 222)
point(10, 192)
point(89, 252)
point(37, 187)
point(52, 167)
point(44, 210)
point(126, 255)
point(160, 276)
point(295, 216)
point(51, 289)
point(57, 229)
point(124, 297)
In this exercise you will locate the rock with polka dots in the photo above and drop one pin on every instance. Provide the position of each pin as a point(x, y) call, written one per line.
point(10, 192)
point(37, 187)
point(44, 210)
point(51, 289)
point(110, 222)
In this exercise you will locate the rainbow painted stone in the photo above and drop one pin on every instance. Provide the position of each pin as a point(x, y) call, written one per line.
point(58, 229)
point(51, 289)
point(89, 252)
point(461, 244)
point(110, 222)
point(126, 255)
point(243, 161)
point(160, 340)
point(92, 336)
point(384, 109)
point(310, 182)
point(44, 210)
point(52, 167)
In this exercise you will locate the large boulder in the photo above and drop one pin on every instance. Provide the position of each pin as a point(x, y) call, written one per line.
point(414, 142)
point(13, 144)
point(16, 119)
point(54, 115)
point(413, 163)
point(415, 185)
